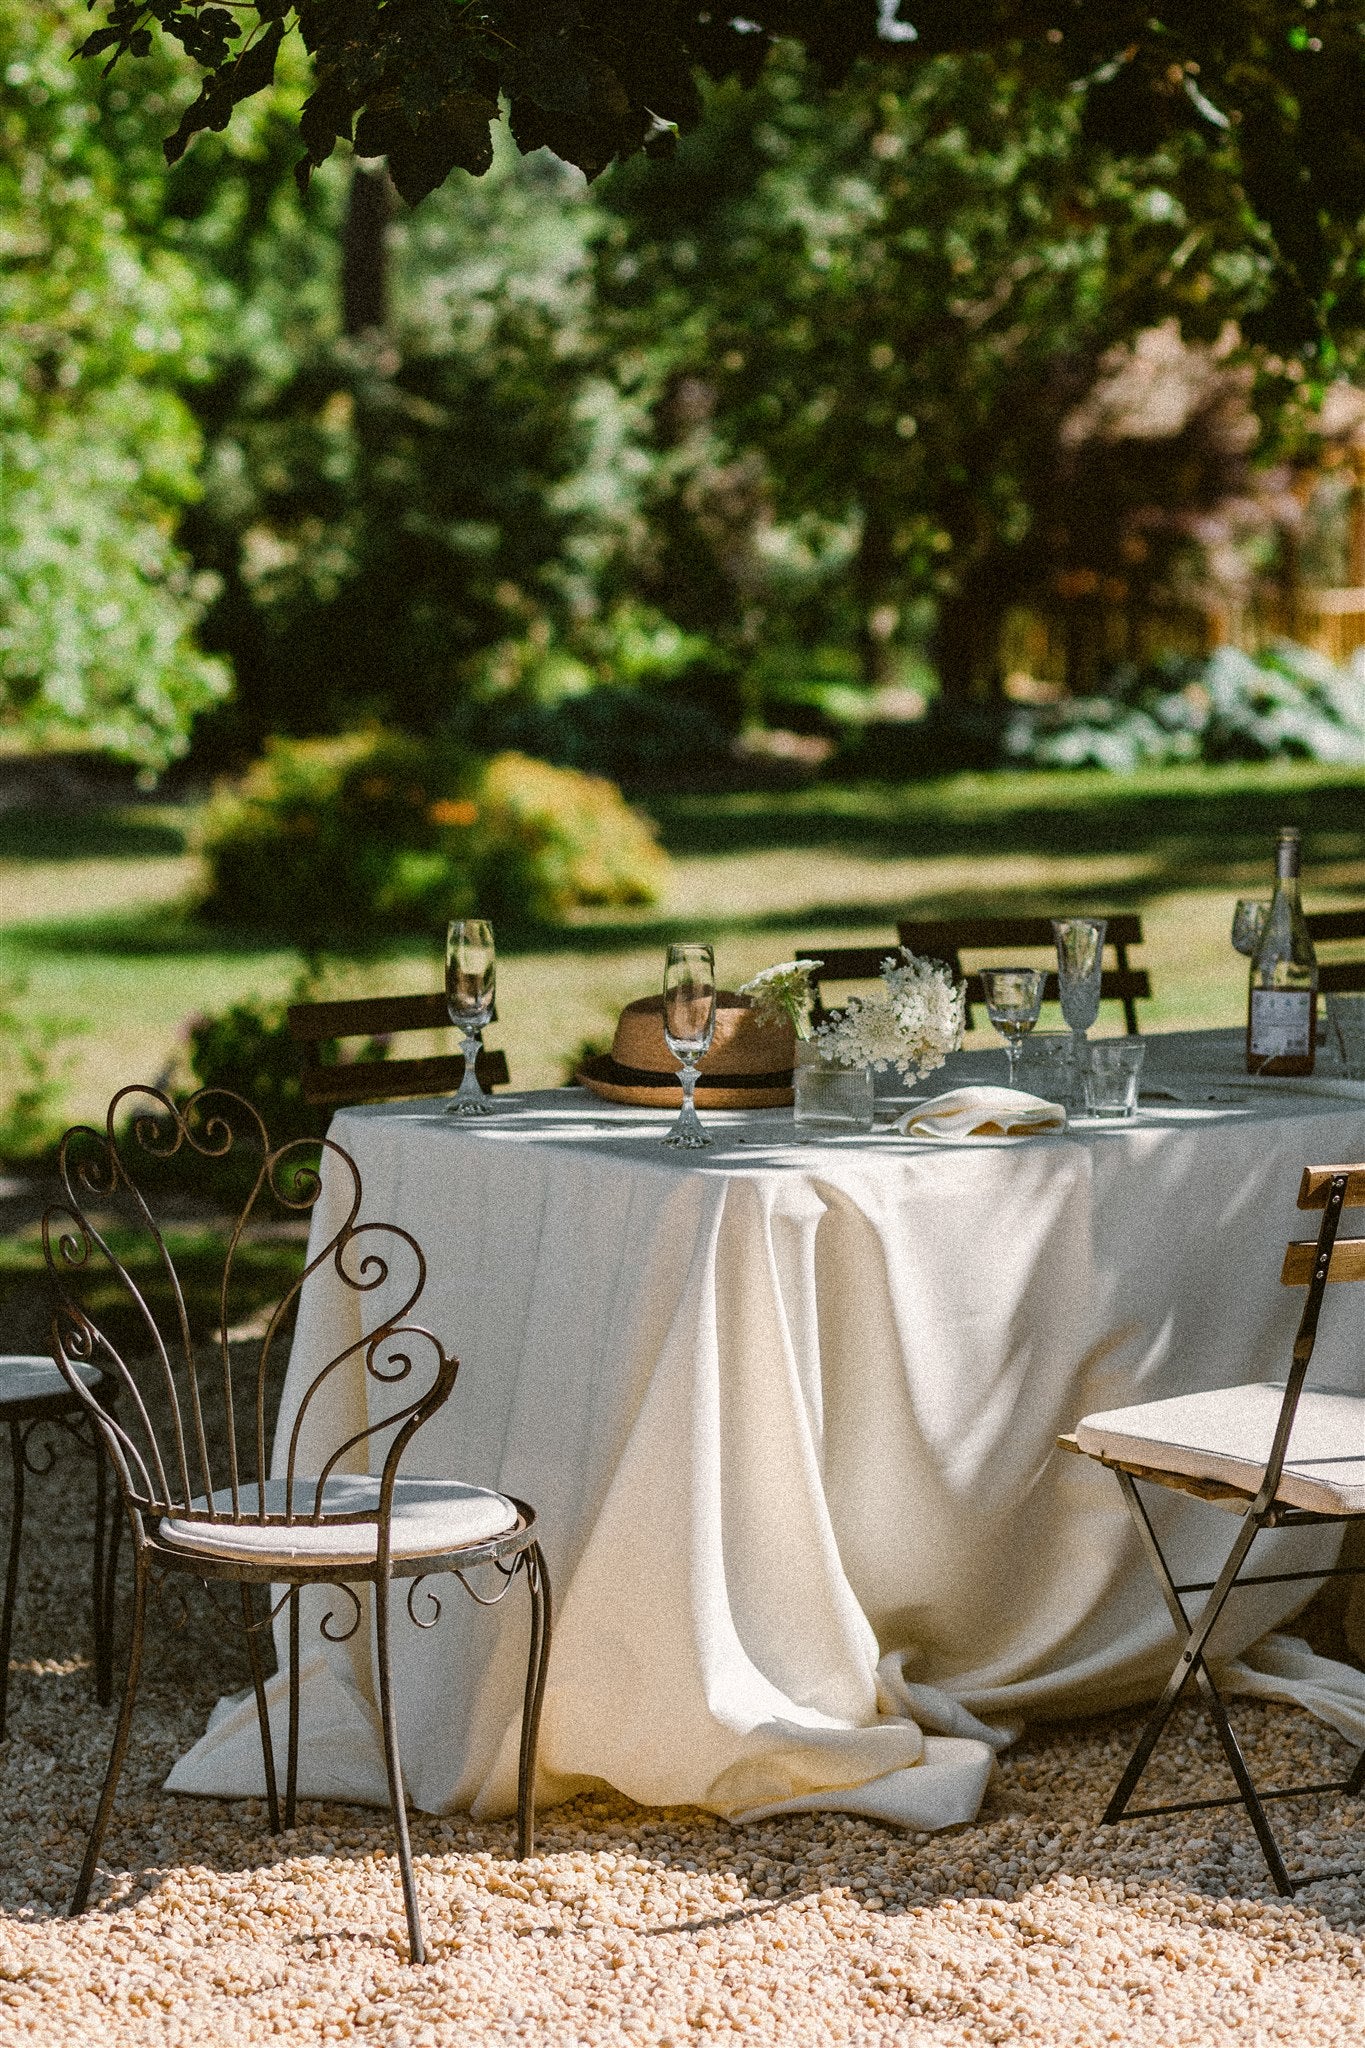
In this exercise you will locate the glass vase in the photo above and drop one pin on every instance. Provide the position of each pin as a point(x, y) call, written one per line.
point(831, 1100)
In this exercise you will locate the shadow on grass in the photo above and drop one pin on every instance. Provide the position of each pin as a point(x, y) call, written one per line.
point(79, 835)
point(1193, 825)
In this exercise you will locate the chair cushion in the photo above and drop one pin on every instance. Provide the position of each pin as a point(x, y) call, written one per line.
point(1226, 1435)
point(34, 1378)
point(429, 1515)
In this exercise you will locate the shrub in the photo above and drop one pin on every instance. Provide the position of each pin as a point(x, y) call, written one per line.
point(371, 834)
point(554, 838)
point(248, 1049)
point(1286, 701)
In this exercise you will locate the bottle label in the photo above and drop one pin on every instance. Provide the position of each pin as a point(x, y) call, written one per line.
point(1281, 1022)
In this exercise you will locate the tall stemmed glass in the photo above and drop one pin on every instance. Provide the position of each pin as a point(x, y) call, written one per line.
point(471, 983)
point(1080, 962)
point(1013, 997)
point(689, 1021)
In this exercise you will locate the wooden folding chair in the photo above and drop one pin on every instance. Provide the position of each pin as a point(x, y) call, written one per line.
point(1278, 1457)
point(314, 1026)
point(948, 938)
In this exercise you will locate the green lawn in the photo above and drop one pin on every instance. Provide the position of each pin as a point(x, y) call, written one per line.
point(94, 921)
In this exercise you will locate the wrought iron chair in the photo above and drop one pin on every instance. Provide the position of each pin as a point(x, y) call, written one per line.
point(34, 1399)
point(313, 1025)
point(188, 1441)
point(1278, 1458)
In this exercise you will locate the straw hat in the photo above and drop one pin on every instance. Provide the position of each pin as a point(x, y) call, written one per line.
point(749, 1065)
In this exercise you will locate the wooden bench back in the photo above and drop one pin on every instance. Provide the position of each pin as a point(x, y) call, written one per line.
point(947, 938)
point(313, 1025)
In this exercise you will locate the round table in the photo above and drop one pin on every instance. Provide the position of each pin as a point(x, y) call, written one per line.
point(787, 1414)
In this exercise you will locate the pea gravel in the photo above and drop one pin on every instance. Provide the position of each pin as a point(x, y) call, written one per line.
point(633, 1924)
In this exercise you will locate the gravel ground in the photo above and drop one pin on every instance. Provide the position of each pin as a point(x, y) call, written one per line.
point(635, 1925)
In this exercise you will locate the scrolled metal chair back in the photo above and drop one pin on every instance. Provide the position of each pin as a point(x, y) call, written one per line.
point(188, 1432)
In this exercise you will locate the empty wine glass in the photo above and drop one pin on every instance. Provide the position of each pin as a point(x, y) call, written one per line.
point(1013, 998)
point(689, 1021)
point(1080, 963)
point(1248, 922)
point(471, 983)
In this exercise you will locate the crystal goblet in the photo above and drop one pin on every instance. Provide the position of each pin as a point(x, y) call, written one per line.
point(1013, 998)
point(1080, 963)
point(689, 1023)
point(471, 985)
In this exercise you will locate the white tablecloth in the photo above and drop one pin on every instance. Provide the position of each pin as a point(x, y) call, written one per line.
point(787, 1416)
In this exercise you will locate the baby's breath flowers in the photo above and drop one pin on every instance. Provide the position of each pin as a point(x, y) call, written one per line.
point(912, 1024)
point(783, 995)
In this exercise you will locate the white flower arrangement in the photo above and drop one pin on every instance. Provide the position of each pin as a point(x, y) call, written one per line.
point(783, 995)
point(912, 1025)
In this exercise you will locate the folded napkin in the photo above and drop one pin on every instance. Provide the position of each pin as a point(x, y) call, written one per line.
point(983, 1113)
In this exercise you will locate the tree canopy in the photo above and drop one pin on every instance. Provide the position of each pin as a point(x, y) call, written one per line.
point(1278, 83)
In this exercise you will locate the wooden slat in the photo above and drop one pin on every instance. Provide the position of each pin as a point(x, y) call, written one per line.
point(367, 1017)
point(847, 963)
point(1202, 1489)
point(382, 1080)
point(1115, 984)
point(1316, 1185)
point(1340, 977)
point(935, 935)
point(1324, 925)
point(1348, 1261)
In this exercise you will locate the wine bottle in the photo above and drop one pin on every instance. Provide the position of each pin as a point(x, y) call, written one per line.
point(1282, 1001)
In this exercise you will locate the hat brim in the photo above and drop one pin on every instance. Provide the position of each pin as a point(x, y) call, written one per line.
point(629, 1085)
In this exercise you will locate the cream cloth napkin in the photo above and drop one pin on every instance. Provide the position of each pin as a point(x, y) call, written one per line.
point(983, 1113)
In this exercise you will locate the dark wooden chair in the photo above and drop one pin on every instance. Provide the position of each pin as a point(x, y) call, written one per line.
point(1337, 977)
point(189, 1440)
point(315, 1025)
point(842, 963)
point(948, 938)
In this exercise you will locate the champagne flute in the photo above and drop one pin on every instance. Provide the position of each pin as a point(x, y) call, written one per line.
point(471, 983)
point(1013, 998)
point(689, 1022)
point(1248, 922)
point(1080, 963)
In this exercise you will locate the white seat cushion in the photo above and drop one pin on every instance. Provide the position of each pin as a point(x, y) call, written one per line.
point(33, 1378)
point(1226, 1435)
point(429, 1516)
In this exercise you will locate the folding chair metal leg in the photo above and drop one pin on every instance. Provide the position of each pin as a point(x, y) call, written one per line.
point(1192, 1665)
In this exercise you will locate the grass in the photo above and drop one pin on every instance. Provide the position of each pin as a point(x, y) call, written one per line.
point(95, 932)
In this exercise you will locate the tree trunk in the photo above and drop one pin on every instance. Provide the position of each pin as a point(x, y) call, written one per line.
point(364, 252)
point(966, 645)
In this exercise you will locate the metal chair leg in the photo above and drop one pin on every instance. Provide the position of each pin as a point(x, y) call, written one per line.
point(16, 1444)
point(537, 1664)
point(253, 1650)
point(119, 1750)
point(291, 1768)
point(397, 1796)
point(101, 1588)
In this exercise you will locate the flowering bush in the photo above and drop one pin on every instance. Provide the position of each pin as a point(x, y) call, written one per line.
point(912, 1024)
point(371, 834)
